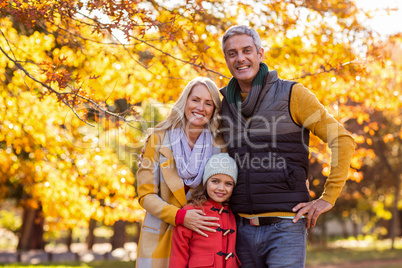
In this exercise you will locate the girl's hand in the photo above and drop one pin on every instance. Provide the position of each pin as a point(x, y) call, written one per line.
point(196, 221)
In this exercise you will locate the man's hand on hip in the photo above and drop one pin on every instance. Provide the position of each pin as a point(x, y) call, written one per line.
point(313, 209)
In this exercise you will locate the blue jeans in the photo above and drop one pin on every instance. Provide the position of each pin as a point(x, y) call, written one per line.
point(281, 244)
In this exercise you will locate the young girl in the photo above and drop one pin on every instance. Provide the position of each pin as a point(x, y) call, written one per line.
point(190, 249)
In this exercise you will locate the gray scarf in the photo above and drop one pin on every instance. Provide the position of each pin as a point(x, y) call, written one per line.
point(190, 164)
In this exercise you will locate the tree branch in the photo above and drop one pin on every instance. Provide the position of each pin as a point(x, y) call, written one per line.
point(167, 54)
point(178, 59)
point(341, 66)
point(97, 107)
point(118, 43)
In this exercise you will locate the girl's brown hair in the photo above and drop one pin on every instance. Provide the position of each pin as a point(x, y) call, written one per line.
point(199, 197)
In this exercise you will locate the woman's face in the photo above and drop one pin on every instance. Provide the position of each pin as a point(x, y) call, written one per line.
point(199, 107)
point(220, 187)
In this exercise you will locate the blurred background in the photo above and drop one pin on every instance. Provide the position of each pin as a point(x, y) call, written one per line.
point(83, 80)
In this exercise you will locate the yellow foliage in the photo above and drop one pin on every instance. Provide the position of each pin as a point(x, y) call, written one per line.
point(359, 139)
point(76, 171)
point(388, 138)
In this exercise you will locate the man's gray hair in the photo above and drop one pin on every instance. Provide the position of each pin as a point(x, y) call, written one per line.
point(242, 29)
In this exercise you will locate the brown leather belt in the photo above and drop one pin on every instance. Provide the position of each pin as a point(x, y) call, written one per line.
point(257, 221)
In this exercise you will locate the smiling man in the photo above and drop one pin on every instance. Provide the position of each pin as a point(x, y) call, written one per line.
point(266, 122)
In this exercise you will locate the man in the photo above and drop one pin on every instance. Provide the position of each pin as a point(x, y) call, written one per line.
point(266, 123)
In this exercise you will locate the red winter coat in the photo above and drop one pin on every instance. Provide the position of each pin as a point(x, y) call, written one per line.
point(190, 249)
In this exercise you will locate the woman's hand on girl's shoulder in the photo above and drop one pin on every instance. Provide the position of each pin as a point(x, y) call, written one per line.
point(196, 221)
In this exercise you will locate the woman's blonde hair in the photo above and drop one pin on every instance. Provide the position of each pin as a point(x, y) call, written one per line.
point(176, 115)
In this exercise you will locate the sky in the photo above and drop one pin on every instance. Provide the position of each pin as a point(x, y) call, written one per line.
point(383, 23)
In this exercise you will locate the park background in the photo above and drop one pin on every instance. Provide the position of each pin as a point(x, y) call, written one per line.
point(82, 81)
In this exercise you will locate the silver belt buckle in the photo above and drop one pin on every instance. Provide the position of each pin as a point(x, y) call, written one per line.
point(255, 221)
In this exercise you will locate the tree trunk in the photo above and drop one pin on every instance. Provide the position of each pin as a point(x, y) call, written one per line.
point(395, 216)
point(32, 230)
point(324, 232)
point(397, 183)
point(69, 239)
point(355, 229)
point(137, 235)
point(400, 221)
point(119, 235)
point(91, 236)
point(344, 228)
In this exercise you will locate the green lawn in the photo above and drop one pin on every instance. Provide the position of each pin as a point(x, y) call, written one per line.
point(348, 253)
point(97, 264)
point(322, 256)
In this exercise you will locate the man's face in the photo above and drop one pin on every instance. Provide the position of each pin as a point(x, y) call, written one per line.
point(242, 58)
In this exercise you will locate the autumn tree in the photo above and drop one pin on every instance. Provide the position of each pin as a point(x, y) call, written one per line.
point(65, 64)
point(381, 134)
point(59, 168)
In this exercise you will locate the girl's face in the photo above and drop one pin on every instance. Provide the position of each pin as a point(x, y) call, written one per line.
point(199, 107)
point(220, 187)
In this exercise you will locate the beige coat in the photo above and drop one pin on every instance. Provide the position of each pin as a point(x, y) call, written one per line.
point(161, 193)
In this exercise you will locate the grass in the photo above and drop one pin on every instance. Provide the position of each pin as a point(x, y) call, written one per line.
point(357, 253)
point(317, 256)
point(96, 264)
point(373, 253)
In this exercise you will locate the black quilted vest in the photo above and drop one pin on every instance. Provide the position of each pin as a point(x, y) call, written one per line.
point(271, 152)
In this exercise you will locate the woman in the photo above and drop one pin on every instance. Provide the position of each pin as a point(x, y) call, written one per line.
point(173, 163)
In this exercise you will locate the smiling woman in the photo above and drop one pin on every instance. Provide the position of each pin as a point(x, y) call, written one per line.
point(198, 111)
point(172, 168)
